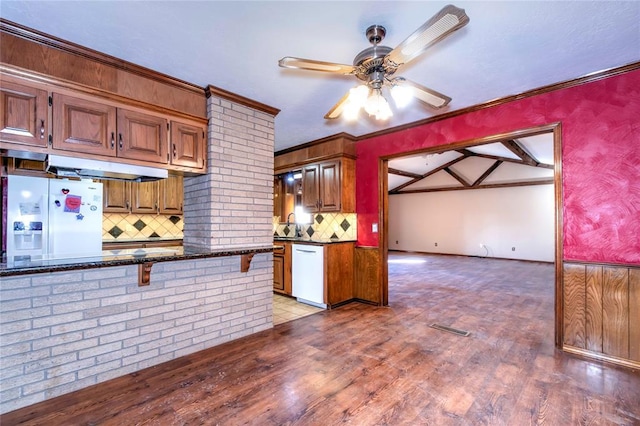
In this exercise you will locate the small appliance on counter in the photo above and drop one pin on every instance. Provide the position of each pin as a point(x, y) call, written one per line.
point(52, 219)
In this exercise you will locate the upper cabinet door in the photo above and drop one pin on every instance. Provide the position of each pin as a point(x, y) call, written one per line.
point(310, 190)
point(171, 193)
point(329, 187)
point(116, 196)
point(142, 136)
point(144, 197)
point(83, 126)
point(188, 147)
point(24, 118)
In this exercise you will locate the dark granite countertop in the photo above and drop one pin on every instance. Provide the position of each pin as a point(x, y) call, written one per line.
point(299, 240)
point(123, 258)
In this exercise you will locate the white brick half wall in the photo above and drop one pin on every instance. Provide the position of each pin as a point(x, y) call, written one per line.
point(62, 332)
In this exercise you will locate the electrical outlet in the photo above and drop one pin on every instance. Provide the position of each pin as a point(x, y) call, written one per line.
point(436, 244)
point(396, 241)
point(513, 249)
point(374, 227)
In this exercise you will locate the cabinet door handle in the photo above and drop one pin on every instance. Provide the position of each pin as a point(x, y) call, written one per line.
point(157, 209)
point(120, 140)
point(126, 204)
point(174, 150)
point(113, 140)
point(41, 129)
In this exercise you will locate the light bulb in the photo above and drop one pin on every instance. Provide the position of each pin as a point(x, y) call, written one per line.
point(358, 95)
point(373, 102)
point(401, 95)
point(377, 105)
point(351, 110)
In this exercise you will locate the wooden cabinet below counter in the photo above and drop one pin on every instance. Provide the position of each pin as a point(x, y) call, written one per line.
point(282, 268)
point(338, 275)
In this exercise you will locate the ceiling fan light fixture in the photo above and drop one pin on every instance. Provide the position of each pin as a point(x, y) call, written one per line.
point(377, 105)
point(358, 95)
point(356, 100)
point(402, 95)
point(375, 65)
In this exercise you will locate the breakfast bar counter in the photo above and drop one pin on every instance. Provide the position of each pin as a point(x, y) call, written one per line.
point(124, 257)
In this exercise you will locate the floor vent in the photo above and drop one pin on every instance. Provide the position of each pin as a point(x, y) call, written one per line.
point(450, 330)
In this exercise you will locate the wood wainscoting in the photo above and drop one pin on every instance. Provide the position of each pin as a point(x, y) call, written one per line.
point(368, 281)
point(602, 312)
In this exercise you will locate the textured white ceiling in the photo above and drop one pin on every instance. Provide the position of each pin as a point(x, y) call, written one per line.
point(507, 48)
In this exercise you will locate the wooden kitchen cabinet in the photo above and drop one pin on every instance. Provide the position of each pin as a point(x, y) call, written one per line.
point(83, 126)
point(116, 196)
point(144, 197)
point(88, 126)
point(171, 194)
point(339, 273)
point(25, 117)
point(282, 268)
point(329, 186)
point(142, 136)
point(164, 196)
point(188, 145)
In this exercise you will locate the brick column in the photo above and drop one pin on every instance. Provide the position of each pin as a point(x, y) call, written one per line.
point(232, 205)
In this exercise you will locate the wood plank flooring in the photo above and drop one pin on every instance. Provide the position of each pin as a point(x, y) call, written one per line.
point(364, 365)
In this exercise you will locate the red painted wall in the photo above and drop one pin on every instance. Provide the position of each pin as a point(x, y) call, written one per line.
point(600, 160)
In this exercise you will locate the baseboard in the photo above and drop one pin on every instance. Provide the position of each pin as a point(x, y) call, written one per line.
point(634, 365)
point(468, 255)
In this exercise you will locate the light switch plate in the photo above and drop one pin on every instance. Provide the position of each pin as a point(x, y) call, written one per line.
point(374, 227)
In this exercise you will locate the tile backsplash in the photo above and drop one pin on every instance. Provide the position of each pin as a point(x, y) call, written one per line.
point(120, 227)
point(325, 226)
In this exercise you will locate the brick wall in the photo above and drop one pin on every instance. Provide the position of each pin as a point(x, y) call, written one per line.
point(66, 331)
point(232, 206)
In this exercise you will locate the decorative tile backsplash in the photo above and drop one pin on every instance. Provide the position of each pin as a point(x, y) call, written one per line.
point(119, 227)
point(340, 226)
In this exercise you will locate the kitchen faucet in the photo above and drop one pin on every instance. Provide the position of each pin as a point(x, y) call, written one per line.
point(297, 232)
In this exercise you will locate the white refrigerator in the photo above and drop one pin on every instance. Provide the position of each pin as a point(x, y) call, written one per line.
point(53, 219)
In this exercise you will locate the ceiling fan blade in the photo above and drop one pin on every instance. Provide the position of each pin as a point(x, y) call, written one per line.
point(337, 109)
point(443, 23)
point(428, 96)
point(309, 64)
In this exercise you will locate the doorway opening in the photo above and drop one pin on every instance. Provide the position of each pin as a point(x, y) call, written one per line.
point(443, 159)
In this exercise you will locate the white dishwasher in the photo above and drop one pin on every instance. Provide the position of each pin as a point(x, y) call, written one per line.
point(307, 274)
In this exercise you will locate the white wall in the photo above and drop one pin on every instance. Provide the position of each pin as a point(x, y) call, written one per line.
point(459, 221)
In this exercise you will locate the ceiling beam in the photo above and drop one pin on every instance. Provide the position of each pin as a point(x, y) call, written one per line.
point(526, 158)
point(513, 160)
point(457, 177)
point(426, 175)
point(548, 181)
point(403, 173)
point(487, 173)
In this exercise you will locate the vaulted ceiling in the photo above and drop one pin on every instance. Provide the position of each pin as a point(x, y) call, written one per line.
point(508, 47)
point(510, 162)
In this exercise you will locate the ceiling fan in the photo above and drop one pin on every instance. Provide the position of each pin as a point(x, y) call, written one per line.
point(375, 67)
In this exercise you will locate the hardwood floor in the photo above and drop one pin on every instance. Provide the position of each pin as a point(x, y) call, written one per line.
point(365, 365)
